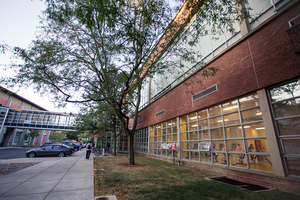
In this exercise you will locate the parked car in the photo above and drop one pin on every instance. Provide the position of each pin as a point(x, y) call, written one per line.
point(49, 143)
point(72, 144)
point(51, 150)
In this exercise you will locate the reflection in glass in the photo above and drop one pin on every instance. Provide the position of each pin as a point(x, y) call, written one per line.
point(237, 160)
point(203, 124)
point(251, 115)
point(204, 134)
point(215, 122)
point(204, 146)
point(185, 155)
point(231, 119)
point(193, 126)
point(202, 114)
point(254, 130)
point(230, 106)
point(192, 117)
point(195, 156)
point(291, 146)
point(234, 132)
point(287, 108)
point(217, 133)
point(286, 91)
point(260, 162)
point(293, 164)
point(205, 156)
point(289, 126)
point(249, 101)
point(194, 136)
point(194, 145)
point(215, 110)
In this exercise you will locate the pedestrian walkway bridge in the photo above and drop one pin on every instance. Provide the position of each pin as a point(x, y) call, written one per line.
point(35, 119)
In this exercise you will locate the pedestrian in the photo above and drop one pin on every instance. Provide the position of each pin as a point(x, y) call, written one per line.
point(107, 146)
point(88, 150)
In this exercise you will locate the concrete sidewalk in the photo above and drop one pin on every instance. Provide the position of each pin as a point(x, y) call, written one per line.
point(67, 178)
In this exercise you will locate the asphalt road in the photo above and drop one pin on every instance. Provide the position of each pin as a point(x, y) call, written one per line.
point(11, 153)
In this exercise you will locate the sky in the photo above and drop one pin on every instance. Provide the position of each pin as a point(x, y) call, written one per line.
point(18, 25)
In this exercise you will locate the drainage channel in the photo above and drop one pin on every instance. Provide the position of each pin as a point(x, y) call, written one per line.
point(248, 186)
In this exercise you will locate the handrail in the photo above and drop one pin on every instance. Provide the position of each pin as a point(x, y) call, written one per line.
point(290, 22)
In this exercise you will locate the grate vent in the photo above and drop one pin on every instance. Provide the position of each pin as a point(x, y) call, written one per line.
point(140, 122)
point(160, 113)
point(205, 92)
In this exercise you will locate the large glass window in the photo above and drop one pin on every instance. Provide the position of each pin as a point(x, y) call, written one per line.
point(141, 140)
point(285, 101)
point(231, 133)
point(163, 135)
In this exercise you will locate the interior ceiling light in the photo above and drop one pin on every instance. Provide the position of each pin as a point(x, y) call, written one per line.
point(259, 113)
point(229, 108)
point(260, 128)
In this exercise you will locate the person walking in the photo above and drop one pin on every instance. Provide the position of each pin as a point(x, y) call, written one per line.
point(88, 150)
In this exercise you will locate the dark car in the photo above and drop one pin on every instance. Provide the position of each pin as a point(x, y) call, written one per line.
point(49, 143)
point(51, 150)
point(72, 144)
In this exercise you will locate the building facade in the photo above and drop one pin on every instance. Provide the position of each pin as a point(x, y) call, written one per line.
point(245, 120)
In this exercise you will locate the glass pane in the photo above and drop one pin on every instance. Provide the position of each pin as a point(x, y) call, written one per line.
point(291, 146)
point(293, 164)
point(184, 136)
point(202, 114)
point(218, 145)
point(217, 133)
point(215, 122)
point(183, 119)
point(175, 137)
point(183, 128)
point(287, 108)
point(194, 145)
point(185, 155)
point(163, 125)
point(289, 126)
point(231, 119)
point(174, 122)
point(193, 126)
point(159, 132)
point(194, 136)
point(204, 134)
point(251, 115)
point(195, 156)
point(174, 129)
point(260, 162)
point(169, 137)
point(285, 91)
point(192, 117)
point(249, 101)
point(204, 146)
point(237, 160)
point(169, 152)
point(234, 132)
point(215, 110)
point(169, 130)
point(257, 146)
point(254, 130)
point(159, 139)
point(203, 124)
point(235, 145)
point(184, 145)
point(205, 156)
point(230, 106)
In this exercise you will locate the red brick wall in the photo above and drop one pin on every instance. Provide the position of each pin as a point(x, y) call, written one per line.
point(263, 59)
point(14, 105)
point(3, 101)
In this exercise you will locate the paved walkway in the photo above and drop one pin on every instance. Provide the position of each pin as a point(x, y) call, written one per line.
point(67, 178)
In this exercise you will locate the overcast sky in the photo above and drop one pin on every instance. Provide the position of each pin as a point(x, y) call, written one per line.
point(18, 22)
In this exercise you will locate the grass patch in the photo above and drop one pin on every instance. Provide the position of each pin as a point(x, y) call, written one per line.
point(155, 179)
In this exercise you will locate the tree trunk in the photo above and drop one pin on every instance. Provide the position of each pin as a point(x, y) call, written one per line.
point(131, 149)
point(115, 143)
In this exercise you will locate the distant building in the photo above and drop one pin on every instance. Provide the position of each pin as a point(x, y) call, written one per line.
point(15, 136)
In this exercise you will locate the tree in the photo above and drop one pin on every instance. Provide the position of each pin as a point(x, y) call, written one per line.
point(98, 119)
point(33, 134)
point(57, 136)
point(94, 51)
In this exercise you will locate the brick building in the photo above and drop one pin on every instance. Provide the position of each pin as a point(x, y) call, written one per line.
point(244, 122)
